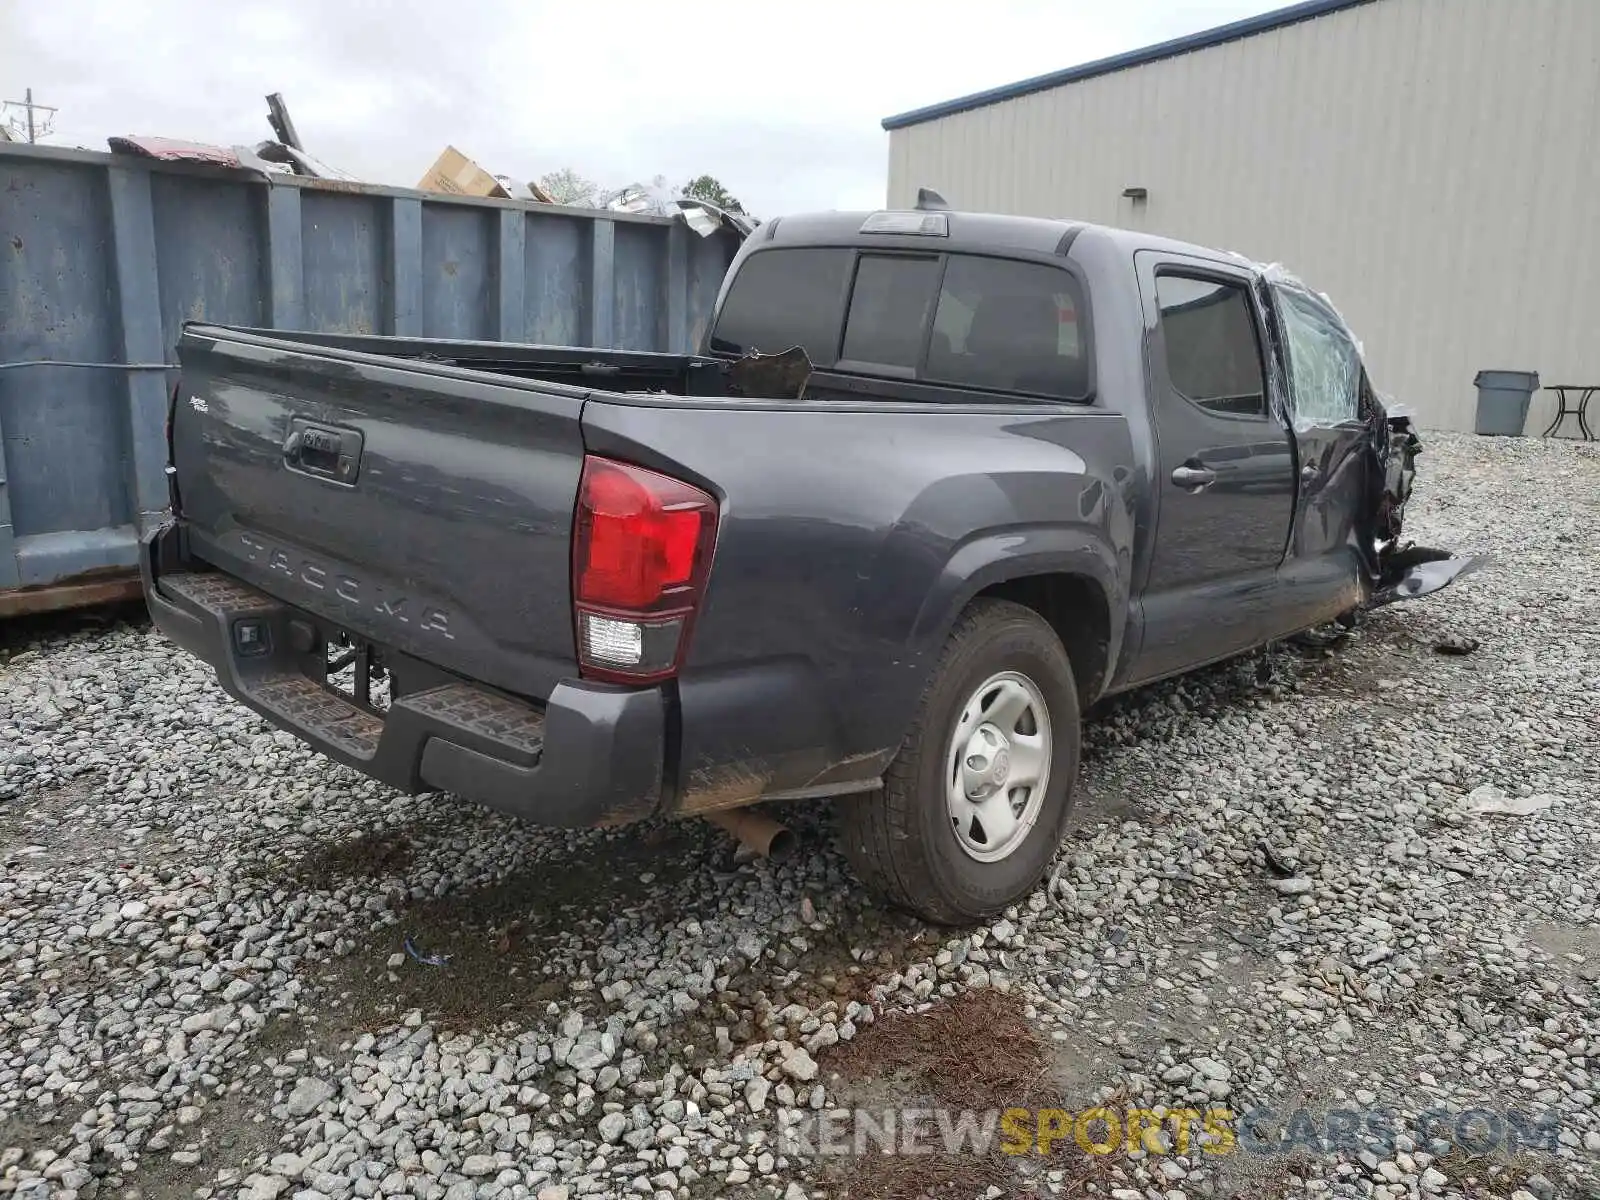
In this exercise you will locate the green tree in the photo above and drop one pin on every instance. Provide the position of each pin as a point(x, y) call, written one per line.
point(566, 186)
point(711, 191)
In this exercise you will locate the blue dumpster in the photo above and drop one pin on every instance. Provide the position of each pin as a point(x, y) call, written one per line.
point(104, 257)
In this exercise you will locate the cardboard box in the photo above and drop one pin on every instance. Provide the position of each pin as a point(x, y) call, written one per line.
point(453, 172)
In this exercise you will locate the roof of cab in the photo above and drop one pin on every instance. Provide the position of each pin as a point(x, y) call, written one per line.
point(992, 232)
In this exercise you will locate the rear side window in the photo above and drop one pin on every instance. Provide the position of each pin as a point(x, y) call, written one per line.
point(784, 298)
point(958, 319)
point(1208, 329)
point(889, 309)
point(1008, 326)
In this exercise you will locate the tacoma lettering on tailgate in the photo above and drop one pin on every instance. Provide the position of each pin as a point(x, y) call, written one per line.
point(307, 571)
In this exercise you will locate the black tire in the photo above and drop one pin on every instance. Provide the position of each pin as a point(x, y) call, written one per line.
point(901, 841)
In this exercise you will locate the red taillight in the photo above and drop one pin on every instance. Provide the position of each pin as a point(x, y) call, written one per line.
point(640, 551)
point(638, 535)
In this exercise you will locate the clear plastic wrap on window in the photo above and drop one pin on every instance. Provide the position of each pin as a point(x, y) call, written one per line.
point(1324, 357)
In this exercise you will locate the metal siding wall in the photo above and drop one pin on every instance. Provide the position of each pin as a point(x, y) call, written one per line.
point(209, 253)
point(62, 442)
point(103, 259)
point(138, 306)
point(706, 268)
point(458, 271)
point(343, 240)
point(639, 270)
point(403, 278)
point(557, 280)
point(1430, 164)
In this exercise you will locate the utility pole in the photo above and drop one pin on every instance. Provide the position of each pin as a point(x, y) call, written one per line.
point(34, 127)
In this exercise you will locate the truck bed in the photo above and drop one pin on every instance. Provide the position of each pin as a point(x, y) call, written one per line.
point(837, 566)
point(576, 366)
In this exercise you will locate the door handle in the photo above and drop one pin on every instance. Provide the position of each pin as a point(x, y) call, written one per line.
point(1194, 479)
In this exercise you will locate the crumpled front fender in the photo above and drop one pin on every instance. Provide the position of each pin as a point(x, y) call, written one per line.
point(1403, 571)
point(1429, 571)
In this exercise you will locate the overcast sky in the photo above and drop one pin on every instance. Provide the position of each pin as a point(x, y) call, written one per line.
point(780, 101)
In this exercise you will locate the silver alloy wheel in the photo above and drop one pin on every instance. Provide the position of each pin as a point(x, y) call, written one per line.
point(997, 766)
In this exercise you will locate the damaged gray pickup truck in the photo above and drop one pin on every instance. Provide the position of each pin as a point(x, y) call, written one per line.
point(1020, 465)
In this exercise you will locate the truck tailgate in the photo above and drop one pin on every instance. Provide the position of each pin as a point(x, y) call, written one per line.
point(417, 505)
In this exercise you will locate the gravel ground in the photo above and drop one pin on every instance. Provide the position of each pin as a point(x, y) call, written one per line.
point(1282, 892)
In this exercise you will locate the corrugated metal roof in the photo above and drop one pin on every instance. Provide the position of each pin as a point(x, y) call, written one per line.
point(1277, 19)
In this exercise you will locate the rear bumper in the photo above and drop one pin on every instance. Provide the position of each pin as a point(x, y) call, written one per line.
point(591, 755)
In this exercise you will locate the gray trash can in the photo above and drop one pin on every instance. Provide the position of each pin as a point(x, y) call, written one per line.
point(1503, 398)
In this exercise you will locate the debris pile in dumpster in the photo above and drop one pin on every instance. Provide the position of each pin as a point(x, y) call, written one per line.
point(286, 154)
point(453, 173)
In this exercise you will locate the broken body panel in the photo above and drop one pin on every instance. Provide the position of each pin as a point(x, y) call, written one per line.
point(1309, 366)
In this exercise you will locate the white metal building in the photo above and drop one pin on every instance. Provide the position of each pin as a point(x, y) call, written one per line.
point(1432, 165)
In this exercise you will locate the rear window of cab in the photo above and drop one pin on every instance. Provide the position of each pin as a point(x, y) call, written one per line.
point(963, 320)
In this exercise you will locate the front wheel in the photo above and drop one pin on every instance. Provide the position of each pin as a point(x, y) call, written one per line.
point(976, 803)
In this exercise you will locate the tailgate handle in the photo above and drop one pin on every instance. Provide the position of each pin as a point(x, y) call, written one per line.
point(325, 451)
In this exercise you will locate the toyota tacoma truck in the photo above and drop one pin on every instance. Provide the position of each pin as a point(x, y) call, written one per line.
point(936, 483)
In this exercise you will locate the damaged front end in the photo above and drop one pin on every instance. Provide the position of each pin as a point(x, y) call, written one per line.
point(1396, 569)
point(1319, 373)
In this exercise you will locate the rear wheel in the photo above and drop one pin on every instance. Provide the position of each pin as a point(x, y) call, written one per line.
point(975, 804)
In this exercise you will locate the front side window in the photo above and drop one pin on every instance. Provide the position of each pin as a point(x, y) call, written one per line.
point(784, 298)
point(1324, 367)
point(1208, 332)
point(1008, 326)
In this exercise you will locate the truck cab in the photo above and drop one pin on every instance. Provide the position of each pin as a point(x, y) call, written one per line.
point(1244, 394)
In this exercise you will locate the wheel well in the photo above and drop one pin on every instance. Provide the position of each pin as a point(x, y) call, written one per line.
point(1076, 609)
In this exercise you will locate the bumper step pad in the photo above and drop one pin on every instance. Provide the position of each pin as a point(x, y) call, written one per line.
point(304, 703)
point(490, 716)
point(501, 727)
point(219, 595)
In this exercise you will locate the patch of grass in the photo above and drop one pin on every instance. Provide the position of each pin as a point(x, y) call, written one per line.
point(1274, 1184)
point(974, 1052)
point(1486, 1176)
point(498, 938)
point(877, 1176)
point(375, 855)
point(506, 940)
point(922, 1177)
